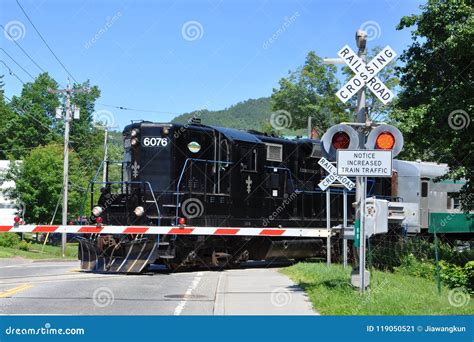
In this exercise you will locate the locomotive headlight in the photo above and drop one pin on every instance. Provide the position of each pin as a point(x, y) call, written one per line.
point(134, 132)
point(139, 211)
point(96, 211)
point(134, 142)
point(166, 130)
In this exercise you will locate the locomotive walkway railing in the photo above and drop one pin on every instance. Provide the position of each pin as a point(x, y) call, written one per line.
point(90, 188)
point(183, 170)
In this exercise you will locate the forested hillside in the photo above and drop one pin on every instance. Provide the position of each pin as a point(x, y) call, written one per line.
point(249, 114)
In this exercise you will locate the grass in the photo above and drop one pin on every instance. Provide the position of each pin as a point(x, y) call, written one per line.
point(49, 252)
point(330, 292)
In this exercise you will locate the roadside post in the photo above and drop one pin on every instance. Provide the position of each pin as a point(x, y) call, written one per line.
point(325, 186)
point(68, 112)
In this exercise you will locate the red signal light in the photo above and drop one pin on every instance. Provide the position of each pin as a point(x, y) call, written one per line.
point(17, 219)
point(182, 221)
point(385, 141)
point(99, 220)
point(340, 141)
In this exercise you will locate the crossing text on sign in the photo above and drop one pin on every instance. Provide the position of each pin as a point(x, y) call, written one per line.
point(365, 74)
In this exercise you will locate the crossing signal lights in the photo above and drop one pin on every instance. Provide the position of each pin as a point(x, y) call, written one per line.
point(385, 141)
point(340, 140)
point(385, 137)
point(339, 137)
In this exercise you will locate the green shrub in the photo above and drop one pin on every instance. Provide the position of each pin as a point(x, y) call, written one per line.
point(453, 275)
point(410, 265)
point(387, 254)
point(469, 271)
point(9, 240)
point(24, 246)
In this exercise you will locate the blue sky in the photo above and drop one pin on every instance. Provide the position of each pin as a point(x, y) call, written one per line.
point(178, 56)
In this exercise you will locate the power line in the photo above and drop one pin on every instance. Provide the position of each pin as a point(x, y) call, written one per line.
point(25, 113)
point(44, 41)
point(19, 111)
point(6, 53)
point(138, 110)
point(11, 72)
point(17, 44)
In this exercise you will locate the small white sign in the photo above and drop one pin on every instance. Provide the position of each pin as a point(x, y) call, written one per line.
point(332, 177)
point(365, 163)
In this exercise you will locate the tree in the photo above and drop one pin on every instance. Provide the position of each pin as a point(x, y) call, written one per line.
point(435, 101)
point(310, 91)
point(38, 183)
point(28, 119)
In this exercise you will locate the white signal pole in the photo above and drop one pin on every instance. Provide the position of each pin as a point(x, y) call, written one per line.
point(361, 40)
point(68, 113)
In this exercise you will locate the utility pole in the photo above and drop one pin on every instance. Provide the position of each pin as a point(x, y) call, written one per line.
point(361, 40)
point(68, 113)
point(106, 149)
point(310, 128)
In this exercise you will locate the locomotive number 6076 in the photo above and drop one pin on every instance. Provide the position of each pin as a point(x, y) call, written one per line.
point(152, 141)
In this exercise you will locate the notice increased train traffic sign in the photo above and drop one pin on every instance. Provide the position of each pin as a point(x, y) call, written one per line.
point(364, 163)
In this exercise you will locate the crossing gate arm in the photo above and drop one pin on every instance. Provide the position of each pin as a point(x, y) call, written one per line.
point(167, 230)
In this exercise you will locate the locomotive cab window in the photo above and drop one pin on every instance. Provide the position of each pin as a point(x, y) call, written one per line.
point(249, 159)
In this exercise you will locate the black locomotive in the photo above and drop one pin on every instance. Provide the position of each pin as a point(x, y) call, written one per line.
point(207, 176)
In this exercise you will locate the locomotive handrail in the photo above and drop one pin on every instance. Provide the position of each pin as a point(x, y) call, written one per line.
point(140, 182)
point(102, 162)
point(182, 174)
point(93, 181)
point(89, 185)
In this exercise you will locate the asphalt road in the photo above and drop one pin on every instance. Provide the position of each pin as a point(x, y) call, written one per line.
point(38, 288)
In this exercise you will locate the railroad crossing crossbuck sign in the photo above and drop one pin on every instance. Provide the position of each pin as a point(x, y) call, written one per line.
point(365, 74)
point(332, 177)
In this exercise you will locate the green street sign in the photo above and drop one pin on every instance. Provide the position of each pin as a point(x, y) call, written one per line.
point(357, 233)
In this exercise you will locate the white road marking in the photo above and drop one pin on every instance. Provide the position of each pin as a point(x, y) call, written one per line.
point(219, 300)
point(35, 265)
point(188, 293)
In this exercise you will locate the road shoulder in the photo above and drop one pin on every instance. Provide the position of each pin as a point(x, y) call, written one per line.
point(259, 292)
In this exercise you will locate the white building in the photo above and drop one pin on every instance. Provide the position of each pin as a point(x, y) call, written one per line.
point(8, 210)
